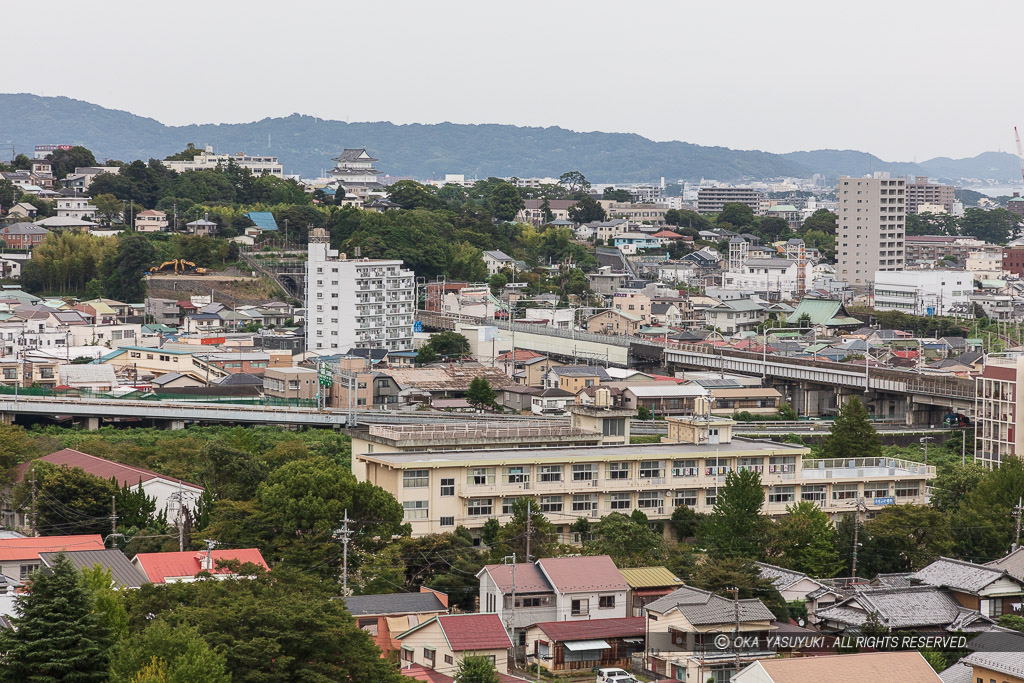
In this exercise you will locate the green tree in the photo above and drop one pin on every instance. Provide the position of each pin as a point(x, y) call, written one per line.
point(466, 262)
point(490, 533)
point(574, 182)
point(627, 542)
point(188, 154)
point(181, 652)
point(736, 527)
point(448, 344)
point(65, 161)
point(71, 501)
point(736, 214)
point(685, 218)
point(107, 600)
point(412, 195)
point(21, 162)
point(804, 540)
point(108, 208)
point(994, 226)
point(133, 258)
point(505, 202)
point(685, 522)
point(480, 394)
point(426, 354)
point(540, 531)
point(476, 669)
point(586, 210)
point(719, 576)
point(15, 447)
point(851, 434)
point(903, 538)
point(983, 526)
point(8, 195)
point(545, 207)
point(643, 413)
point(822, 220)
point(57, 635)
point(617, 195)
point(954, 484)
point(134, 507)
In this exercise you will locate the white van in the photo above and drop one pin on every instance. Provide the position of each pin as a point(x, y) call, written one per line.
point(614, 675)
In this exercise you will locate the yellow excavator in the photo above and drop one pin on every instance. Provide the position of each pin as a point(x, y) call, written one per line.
point(180, 266)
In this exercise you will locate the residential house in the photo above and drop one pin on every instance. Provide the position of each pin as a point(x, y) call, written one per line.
point(1012, 564)
point(441, 642)
point(681, 631)
point(497, 260)
point(76, 207)
point(183, 567)
point(614, 322)
point(607, 281)
point(662, 398)
point(66, 223)
point(552, 401)
point(122, 572)
point(572, 378)
point(828, 315)
point(637, 303)
point(519, 399)
point(22, 235)
point(168, 492)
point(291, 383)
point(917, 607)
point(384, 616)
point(526, 367)
point(740, 315)
point(634, 242)
point(1002, 666)
point(151, 220)
point(606, 231)
point(533, 211)
point(535, 599)
point(19, 557)
point(581, 646)
point(23, 210)
point(905, 667)
point(797, 586)
point(666, 313)
point(202, 227)
point(89, 377)
point(647, 584)
point(990, 590)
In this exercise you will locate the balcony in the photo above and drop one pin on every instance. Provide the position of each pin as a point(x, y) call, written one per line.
point(851, 468)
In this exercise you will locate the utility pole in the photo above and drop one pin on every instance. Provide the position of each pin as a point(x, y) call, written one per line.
point(209, 553)
point(512, 609)
point(345, 535)
point(34, 533)
point(1017, 512)
point(529, 531)
point(856, 537)
point(113, 515)
point(736, 635)
point(181, 525)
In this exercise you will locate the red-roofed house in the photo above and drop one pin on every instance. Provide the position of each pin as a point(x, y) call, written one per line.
point(586, 587)
point(182, 567)
point(165, 490)
point(19, 557)
point(442, 642)
point(535, 596)
point(574, 645)
point(422, 673)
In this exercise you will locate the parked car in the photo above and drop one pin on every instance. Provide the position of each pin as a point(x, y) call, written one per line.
point(613, 675)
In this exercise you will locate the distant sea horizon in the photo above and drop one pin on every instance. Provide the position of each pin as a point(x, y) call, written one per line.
point(996, 190)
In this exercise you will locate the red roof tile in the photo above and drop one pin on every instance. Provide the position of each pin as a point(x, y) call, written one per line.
point(474, 632)
point(162, 566)
point(422, 673)
point(520, 354)
point(98, 467)
point(529, 579)
point(628, 627)
point(585, 573)
point(14, 549)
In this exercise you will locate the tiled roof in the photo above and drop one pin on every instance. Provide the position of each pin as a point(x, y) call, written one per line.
point(393, 603)
point(892, 580)
point(958, 673)
point(957, 575)
point(628, 627)
point(583, 573)
point(162, 566)
point(96, 466)
point(14, 549)
point(650, 577)
point(1012, 564)
point(581, 371)
point(529, 578)
point(122, 571)
point(702, 607)
point(474, 632)
point(895, 607)
point(905, 667)
point(1008, 663)
point(780, 577)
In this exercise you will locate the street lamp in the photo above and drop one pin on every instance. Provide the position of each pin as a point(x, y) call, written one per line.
point(925, 440)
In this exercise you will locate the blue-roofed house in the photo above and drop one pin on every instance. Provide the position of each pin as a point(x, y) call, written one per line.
point(264, 220)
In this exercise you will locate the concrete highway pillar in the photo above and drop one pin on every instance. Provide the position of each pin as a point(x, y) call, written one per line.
point(174, 424)
point(7, 418)
point(91, 423)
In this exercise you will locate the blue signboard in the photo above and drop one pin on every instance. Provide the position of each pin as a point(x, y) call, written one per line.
point(888, 500)
point(417, 326)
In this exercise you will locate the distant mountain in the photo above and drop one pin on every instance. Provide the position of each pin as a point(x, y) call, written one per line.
point(306, 144)
point(832, 163)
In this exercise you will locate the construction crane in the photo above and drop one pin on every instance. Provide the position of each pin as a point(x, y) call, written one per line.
point(1020, 153)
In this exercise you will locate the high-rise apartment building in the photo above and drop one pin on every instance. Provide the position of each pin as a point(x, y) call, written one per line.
point(359, 302)
point(998, 414)
point(872, 227)
point(713, 199)
point(922, 192)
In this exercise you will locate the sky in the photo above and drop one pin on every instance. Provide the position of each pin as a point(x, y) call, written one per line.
point(904, 79)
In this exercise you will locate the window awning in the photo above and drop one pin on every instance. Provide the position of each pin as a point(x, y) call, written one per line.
point(578, 645)
point(633, 640)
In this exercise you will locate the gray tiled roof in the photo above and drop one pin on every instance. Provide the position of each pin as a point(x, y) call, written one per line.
point(1013, 564)
point(588, 370)
point(896, 607)
point(393, 604)
point(780, 577)
point(1009, 663)
point(121, 569)
point(957, 575)
point(958, 673)
point(892, 580)
point(703, 607)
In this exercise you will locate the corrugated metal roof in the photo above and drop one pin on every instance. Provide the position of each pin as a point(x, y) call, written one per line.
point(122, 571)
point(264, 220)
point(650, 577)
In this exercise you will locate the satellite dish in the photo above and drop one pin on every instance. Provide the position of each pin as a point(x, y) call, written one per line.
point(800, 622)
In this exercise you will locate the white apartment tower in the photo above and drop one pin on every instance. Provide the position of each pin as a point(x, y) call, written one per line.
point(872, 227)
point(363, 303)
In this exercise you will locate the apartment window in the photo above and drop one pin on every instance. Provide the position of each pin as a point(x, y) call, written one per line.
point(906, 489)
point(684, 468)
point(507, 504)
point(814, 494)
point(415, 479)
point(844, 491)
point(478, 507)
point(415, 509)
point(651, 469)
point(481, 476)
point(581, 607)
point(650, 499)
point(550, 503)
point(584, 472)
point(751, 465)
point(517, 475)
point(584, 502)
point(780, 494)
point(606, 602)
point(710, 497)
point(618, 470)
point(620, 501)
point(780, 464)
point(550, 473)
point(447, 487)
point(687, 497)
point(878, 489)
point(613, 427)
point(447, 521)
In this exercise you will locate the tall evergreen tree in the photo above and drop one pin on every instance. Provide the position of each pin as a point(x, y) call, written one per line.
point(476, 669)
point(852, 435)
point(736, 527)
point(58, 636)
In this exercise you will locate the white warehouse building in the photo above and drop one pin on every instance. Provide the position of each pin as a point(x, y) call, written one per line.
point(362, 303)
point(923, 292)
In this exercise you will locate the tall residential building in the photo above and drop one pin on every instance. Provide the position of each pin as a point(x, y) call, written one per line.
point(712, 199)
point(207, 160)
point(360, 302)
point(922, 192)
point(872, 227)
point(997, 412)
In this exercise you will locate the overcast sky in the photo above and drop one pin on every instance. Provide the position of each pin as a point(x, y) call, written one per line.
point(903, 79)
